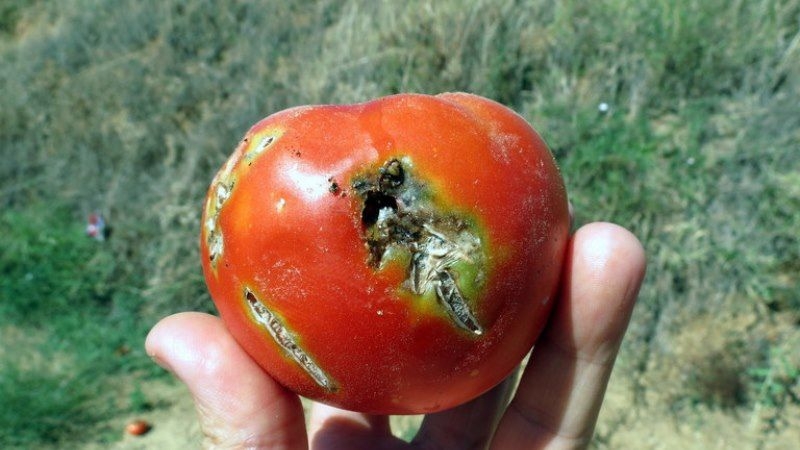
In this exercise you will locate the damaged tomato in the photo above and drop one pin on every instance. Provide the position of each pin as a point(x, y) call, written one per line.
point(394, 256)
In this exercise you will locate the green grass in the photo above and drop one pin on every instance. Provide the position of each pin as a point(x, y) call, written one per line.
point(68, 324)
point(128, 108)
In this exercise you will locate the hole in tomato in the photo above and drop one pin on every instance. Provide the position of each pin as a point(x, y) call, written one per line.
point(377, 203)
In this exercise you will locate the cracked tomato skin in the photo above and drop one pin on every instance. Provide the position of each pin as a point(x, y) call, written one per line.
point(398, 256)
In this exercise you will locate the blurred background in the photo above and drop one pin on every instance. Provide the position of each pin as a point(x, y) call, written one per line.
point(679, 120)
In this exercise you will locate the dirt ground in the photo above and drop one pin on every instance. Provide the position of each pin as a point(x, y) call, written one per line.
point(174, 424)
point(624, 426)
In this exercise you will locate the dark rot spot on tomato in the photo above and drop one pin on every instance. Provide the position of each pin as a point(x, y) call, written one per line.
point(400, 216)
point(392, 175)
point(375, 204)
point(333, 187)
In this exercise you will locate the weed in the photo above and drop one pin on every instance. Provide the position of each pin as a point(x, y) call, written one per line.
point(776, 385)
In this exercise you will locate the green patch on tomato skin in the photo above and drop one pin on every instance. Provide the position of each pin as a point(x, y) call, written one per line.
point(471, 278)
point(422, 305)
point(395, 257)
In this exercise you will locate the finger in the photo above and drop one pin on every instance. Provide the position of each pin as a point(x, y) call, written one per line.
point(239, 406)
point(468, 426)
point(333, 428)
point(561, 391)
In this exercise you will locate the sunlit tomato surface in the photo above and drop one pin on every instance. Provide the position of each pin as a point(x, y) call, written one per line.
point(394, 256)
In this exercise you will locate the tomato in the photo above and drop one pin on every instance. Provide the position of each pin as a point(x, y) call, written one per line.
point(396, 256)
point(138, 427)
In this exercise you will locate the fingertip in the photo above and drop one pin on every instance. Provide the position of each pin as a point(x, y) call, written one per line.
point(604, 270)
point(165, 327)
point(608, 256)
point(603, 242)
point(194, 345)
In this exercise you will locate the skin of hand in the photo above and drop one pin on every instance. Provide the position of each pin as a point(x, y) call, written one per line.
point(554, 406)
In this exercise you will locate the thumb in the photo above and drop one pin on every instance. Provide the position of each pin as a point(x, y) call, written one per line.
point(238, 404)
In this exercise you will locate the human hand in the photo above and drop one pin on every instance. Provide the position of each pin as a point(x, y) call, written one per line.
point(555, 405)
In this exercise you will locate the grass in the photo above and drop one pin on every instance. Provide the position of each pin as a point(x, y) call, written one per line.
point(68, 328)
point(129, 108)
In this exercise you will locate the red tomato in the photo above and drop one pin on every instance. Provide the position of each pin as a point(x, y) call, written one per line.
point(394, 256)
point(137, 427)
